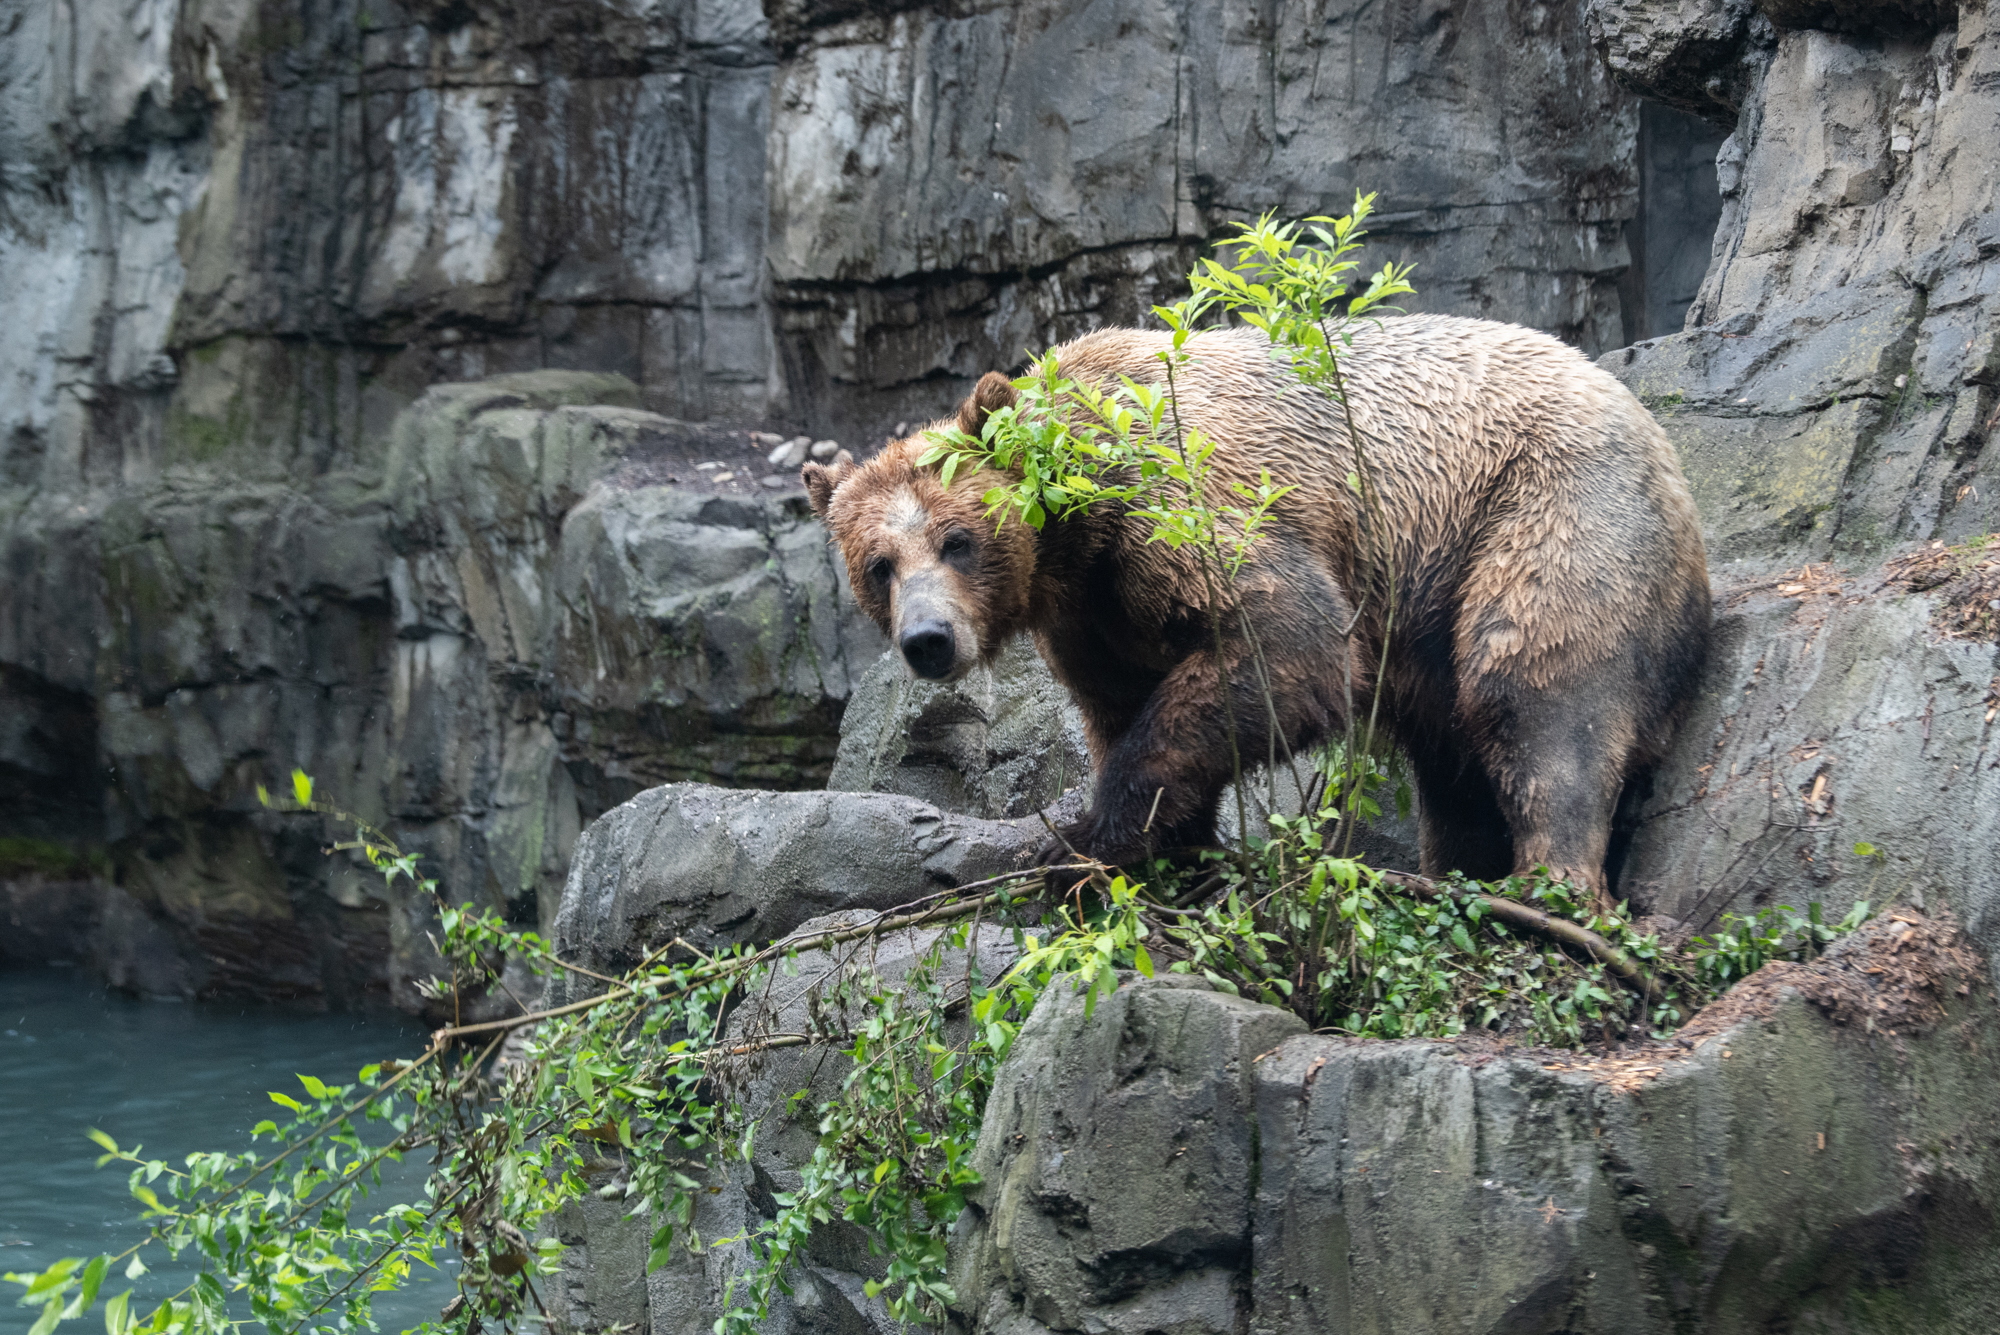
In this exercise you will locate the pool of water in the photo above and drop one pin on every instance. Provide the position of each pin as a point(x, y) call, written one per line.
point(174, 1078)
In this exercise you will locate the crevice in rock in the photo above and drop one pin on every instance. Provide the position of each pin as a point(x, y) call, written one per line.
point(1672, 235)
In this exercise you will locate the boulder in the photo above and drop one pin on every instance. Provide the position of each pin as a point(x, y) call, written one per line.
point(718, 867)
point(1002, 741)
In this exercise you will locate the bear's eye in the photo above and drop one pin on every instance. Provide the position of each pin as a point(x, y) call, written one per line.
point(880, 569)
point(956, 543)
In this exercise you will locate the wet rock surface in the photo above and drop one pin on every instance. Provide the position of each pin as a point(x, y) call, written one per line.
point(1118, 1156)
point(717, 867)
point(1835, 400)
point(1790, 1161)
point(687, 1295)
point(505, 630)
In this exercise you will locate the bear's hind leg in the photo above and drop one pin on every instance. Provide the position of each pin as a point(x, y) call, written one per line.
point(1558, 758)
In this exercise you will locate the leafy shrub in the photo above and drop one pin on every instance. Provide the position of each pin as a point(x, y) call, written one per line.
point(1742, 945)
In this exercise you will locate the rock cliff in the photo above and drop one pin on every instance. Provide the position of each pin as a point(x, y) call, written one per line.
point(241, 241)
point(512, 624)
point(1813, 1154)
point(1835, 398)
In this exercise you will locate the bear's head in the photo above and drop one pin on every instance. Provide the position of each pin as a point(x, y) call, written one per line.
point(926, 561)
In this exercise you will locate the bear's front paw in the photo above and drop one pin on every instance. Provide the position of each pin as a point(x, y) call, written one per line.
point(1090, 841)
point(1056, 851)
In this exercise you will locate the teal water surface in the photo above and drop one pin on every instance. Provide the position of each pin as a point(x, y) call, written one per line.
point(173, 1077)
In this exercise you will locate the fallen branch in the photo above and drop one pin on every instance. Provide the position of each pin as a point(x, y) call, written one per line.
point(709, 971)
point(1530, 919)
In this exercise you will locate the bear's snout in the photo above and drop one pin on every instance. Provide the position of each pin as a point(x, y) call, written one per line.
point(930, 648)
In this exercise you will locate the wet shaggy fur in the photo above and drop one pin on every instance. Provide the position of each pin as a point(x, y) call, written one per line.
point(1550, 610)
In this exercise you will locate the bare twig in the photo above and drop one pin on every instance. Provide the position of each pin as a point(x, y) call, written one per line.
point(715, 969)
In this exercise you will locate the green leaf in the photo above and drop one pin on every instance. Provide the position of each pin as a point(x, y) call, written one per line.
point(302, 787)
point(1864, 849)
point(313, 1086)
point(93, 1279)
point(46, 1322)
point(1142, 961)
point(55, 1277)
point(286, 1100)
point(115, 1313)
point(136, 1269)
point(107, 1142)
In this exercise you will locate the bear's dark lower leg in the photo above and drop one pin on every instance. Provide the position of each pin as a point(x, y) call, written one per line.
point(1558, 759)
point(1460, 827)
point(1161, 781)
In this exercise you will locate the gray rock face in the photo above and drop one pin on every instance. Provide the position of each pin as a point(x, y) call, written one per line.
point(1187, 1162)
point(1834, 399)
point(1829, 721)
point(1118, 1154)
point(1699, 56)
point(996, 189)
point(606, 1281)
point(499, 633)
point(1833, 392)
point(253, 236)
point(238, 243)
point(1001, 742)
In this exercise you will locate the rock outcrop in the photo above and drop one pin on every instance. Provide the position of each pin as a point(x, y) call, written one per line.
point(527, 609)
point(718, 867)
point(604, 1264)
point(1835, 399)
point(1816, 1150)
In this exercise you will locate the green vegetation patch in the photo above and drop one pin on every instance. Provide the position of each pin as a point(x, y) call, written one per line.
point(54, 861)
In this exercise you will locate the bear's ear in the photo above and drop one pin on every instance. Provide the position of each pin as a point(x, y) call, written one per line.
point(822, 480)
point(993, 392)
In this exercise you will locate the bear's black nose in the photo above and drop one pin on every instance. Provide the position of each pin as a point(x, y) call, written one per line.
point(929, 647)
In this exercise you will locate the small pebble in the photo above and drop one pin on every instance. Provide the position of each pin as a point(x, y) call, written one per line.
point(825, 449)
point(790, 454)
point(722, 477)
point(777, 482)
point(710, 464)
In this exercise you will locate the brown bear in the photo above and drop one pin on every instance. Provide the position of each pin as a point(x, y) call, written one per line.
point(1550, 612)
